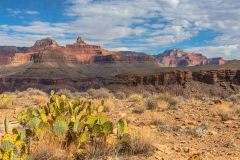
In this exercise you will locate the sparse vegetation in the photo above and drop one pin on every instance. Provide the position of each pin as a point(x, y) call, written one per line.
point(224, 110)
point(81, 95)
point(172, 101)
point(146, 94)
point(120, 95)
point(75, 122)
point(151, 103)
point(48, 127)
point(135, 97)
point(138, 108)
point(6, 101)
point(199, 131)
point(91, 91)
point(137, 144)
point(102, 93)
point(66, 92)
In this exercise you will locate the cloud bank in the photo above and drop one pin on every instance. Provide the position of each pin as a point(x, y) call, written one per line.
point(139, 25)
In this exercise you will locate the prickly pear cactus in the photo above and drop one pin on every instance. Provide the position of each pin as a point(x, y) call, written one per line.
point(60, 127)
point(75, 122)
point(122, 127)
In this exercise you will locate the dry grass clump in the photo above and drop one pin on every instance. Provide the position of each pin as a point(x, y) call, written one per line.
point(27, 94)
point(97, 150)
point(234, 98)
point(49, 148)
point(158, 104)
point(34, 91)
point(138, 108)
point(102, 93)
point(236, 109)
point(135, 97)
point(151, 103)
point(146, 94)
point(171, 100)
point(6, 101)
point(137, 144)
point(109, 105)
point(224, 110)
point(65, 92)
point(200, 131)
point(80, 94)
point(161, 126)
point(39, 99)
point(120, 95)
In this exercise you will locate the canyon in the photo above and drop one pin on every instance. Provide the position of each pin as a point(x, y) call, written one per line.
point(80, 66)
point(48, 50)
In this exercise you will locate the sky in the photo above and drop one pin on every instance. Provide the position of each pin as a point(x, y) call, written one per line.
point(211, 27)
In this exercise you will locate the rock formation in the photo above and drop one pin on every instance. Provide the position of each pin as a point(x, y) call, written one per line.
point(43, 44)
point(177, 58)
point(216, 61)
point(48, 50)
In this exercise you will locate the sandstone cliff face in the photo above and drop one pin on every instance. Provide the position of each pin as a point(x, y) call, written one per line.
point(216, 61)
point(180, 82)
point(43, 44)
point(177, 58)
point(48, 50)
point(212, 77)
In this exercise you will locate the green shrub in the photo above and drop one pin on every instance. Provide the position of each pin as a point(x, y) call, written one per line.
point(6, 102)
point(91, 91)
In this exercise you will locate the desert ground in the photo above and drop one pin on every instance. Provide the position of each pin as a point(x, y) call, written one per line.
point(161, 126)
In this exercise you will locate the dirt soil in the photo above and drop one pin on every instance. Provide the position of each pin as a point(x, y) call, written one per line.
point(191, 128)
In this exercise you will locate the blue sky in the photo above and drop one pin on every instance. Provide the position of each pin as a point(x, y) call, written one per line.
point(207, 26)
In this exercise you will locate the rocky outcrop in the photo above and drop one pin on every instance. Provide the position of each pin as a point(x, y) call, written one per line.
point(180, 82)
point(177, 58)
point(133, 53)
point(212, 77)
point(43, 44)
point(8, 49)
point(215, 61)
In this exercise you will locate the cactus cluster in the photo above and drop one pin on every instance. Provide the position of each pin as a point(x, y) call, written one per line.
point(13, 146)
point(76, 122)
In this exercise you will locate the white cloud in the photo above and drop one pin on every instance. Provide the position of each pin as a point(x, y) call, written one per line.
point(31, 12)
point(15, 12)
point(140, 24)
point(226, 51)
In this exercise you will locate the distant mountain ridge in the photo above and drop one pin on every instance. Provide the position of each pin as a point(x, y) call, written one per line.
point(48, 50)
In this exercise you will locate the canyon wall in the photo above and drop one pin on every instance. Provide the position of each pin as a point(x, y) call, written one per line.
point(225, 79)
point(212, 77)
